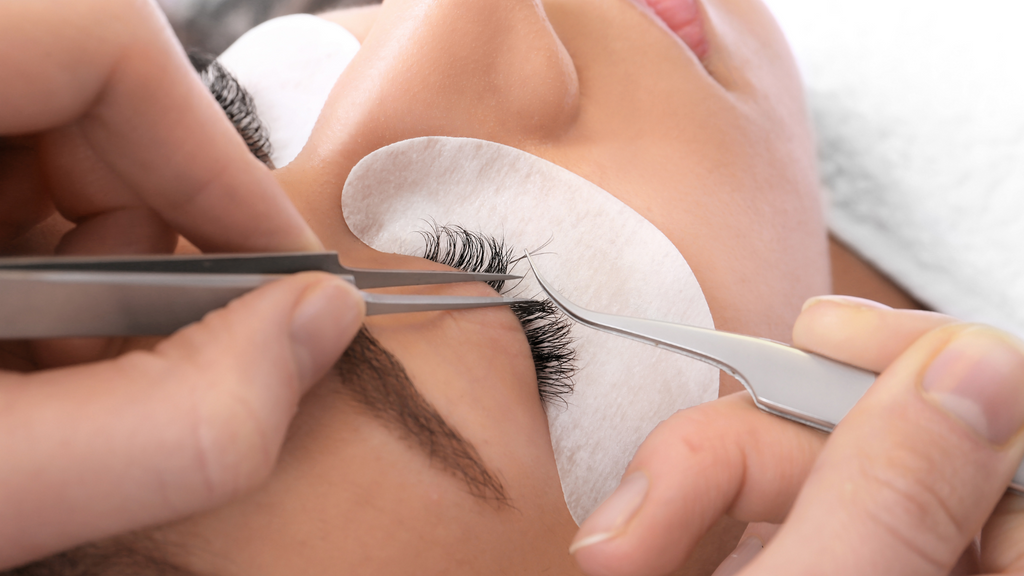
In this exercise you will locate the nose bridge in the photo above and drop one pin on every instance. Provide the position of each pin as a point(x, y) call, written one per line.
point(489, 69)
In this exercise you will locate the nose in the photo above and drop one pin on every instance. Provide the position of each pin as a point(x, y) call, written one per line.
point(489, 69)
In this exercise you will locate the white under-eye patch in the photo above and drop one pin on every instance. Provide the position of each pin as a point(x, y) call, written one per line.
point(596, 250)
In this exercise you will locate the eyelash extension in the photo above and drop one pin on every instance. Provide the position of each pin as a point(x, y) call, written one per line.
point(547, 329)
point(236, 102)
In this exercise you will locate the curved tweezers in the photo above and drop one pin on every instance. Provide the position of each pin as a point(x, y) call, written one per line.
point(785, 381)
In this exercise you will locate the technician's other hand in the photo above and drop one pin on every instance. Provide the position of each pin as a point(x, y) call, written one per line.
point(903, 486)
point(104, 121)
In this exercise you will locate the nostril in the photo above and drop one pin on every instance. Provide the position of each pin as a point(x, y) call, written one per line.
point(683, 18)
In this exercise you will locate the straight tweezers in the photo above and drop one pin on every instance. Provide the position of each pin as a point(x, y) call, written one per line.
point(71, 297)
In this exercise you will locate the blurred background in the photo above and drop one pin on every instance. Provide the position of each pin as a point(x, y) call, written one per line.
point(212, 25)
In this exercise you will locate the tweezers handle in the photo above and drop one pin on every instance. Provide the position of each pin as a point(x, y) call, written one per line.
point(266, 263)
point(50, 304)
point(785, 381)
point(67, 304)
point(273, 263)
point(805, 387)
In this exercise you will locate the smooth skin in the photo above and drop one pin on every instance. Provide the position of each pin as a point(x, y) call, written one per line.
point(105, 123)
point(902, 486)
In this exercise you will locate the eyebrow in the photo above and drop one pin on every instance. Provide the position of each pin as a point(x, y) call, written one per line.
point(376, 380)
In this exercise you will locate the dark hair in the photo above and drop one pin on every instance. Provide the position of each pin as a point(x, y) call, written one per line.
point(236, 102)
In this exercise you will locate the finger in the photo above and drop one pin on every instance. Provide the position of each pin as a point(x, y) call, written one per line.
point(751, 465)
point(112, 70)
point(723, 457)
point(1002, 539)
point(95, 450)
point(109, 217)
point(129, 230)
point(861, 332)
point(908, 478)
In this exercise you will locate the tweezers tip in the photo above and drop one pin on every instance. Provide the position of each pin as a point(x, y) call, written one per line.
point(533, 268)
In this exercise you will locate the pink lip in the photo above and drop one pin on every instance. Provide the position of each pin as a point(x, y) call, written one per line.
point(683, 18)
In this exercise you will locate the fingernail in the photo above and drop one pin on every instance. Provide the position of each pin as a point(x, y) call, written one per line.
point(611, 517)
point(852, 301)
point(979, 378)
point(740, 557)
point(324, 322)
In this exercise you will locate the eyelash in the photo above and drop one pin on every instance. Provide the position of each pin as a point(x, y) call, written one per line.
point(236, 102)
point(547, 329)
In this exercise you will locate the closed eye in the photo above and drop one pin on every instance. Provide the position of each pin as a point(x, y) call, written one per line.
point(237, 103)
point(547, 329)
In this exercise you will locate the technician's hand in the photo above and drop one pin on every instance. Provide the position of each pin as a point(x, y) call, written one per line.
point(103, 120)
point(904, 484)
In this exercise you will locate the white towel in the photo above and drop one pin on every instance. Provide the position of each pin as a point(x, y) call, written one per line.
point(919, 108)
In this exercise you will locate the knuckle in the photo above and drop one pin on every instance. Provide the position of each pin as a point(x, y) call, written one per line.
point(675, 435)
point(700, 436)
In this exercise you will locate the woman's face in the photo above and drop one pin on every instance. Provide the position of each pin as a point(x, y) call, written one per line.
point(706, 138)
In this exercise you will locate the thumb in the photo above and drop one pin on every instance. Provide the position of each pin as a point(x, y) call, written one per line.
point(911, 474)
point(99, 449)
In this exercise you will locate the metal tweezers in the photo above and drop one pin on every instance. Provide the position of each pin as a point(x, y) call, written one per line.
point(785, 381)
point(59, 297)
